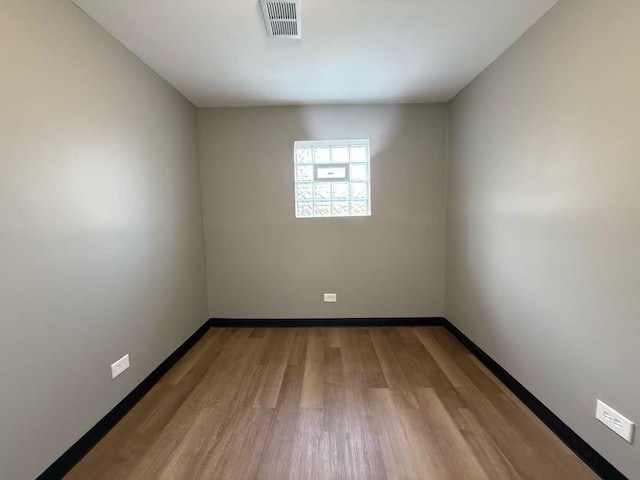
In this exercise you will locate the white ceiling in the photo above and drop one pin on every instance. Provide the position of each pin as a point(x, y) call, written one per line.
point(216, 52)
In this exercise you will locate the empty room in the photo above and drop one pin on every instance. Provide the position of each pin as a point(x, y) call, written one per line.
point(319, 239)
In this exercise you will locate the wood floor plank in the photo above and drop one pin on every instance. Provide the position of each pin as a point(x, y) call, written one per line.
point(313, 381)
point(408, 357)
point(298, 353)
point(363, 446)
point(332, 337)
point(404, 450)
point(306, 459)
point(358, 353)
point(238, 453)
point(276, 458)
point(334, 398)
point(396, 378)
point(460, 461)
point(209, 443)
point(330, 403)
point(276, 359)
point(488, 454)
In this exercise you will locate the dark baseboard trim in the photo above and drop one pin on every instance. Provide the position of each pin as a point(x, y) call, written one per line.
point(327, 322)
point(582, 449)
point(74, 454)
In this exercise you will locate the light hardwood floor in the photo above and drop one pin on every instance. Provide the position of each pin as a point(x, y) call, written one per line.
point(330, 403)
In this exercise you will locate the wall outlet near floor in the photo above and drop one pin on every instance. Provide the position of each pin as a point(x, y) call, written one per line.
point(330, 297)
point(120, 366)
point(616, 422)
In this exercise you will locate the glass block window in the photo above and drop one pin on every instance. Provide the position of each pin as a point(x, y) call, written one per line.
point(332, 178)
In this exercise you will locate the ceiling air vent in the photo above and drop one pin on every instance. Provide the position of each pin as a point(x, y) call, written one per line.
point(282, 18)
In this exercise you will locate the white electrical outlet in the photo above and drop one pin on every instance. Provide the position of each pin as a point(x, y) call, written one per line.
point(120, 366)
point(616, 422)
point(330, 297)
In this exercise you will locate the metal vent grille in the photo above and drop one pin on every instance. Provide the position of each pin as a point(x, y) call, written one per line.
point(282, 19)
point(281, 11)
point(286, 29)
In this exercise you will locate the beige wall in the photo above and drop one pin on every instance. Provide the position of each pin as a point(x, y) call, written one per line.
point(101, 238)
point(262, 262)
point(544, 215)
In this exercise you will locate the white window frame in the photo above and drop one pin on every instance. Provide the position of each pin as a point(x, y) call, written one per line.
point(332, 173)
